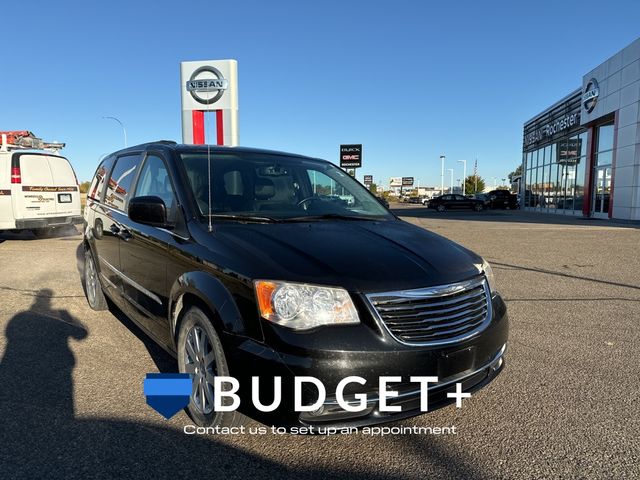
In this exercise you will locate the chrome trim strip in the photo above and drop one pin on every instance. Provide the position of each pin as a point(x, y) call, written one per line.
point(113, 209)
point(436, 291)
point(390, 306)
point(453, 379)
point(172, 233)
point(133, 283)
point(111, 284)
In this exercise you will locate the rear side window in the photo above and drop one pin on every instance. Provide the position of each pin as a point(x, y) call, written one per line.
point(99, 178)
point(119, 186)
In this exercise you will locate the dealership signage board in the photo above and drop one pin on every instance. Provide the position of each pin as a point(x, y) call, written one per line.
point(209, 86)
point(395, 182)
point(368, 179)
point(407, 181)
point(550, 129)
point(351, 156)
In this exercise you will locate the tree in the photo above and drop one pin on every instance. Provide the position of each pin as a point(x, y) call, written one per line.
point(515, 173)
point(373, 188)
point(84, 187)
point(474, 184)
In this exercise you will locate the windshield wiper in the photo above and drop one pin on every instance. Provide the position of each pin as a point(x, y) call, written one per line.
point(244, 218)
point(330, 216)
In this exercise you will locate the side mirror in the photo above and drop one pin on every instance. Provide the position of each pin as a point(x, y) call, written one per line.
point(149, 210)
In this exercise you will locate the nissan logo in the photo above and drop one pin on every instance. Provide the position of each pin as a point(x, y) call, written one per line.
point(218, 84)
point(590, 95)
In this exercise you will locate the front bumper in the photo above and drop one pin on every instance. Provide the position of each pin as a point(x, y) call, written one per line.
point(331, 354)
point(46, 222)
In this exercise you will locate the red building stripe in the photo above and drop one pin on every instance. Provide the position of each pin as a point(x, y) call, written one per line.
point(219, 127)
point(197, 117)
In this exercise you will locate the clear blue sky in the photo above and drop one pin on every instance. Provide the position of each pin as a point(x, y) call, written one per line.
point(408, 80)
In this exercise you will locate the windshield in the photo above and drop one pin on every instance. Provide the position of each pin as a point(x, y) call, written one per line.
point(277, 187)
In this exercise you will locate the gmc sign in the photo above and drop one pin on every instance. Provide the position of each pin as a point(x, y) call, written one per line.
point(350, 156)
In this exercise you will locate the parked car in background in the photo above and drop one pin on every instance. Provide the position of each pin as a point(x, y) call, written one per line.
point(454, 201)
point(255, 273)
point(483, 197)
point(416, 200)
point(502, 199)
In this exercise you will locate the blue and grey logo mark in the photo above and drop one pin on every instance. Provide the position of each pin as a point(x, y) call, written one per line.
point(167, 393)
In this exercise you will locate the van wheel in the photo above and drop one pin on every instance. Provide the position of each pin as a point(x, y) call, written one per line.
point(92, 286)
point(440, 208)
point(201, 355)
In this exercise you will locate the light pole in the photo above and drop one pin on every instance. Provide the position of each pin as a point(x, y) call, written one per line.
point(451, 172)
point(123, 129)
point(442, 175)
point(495, 182)
point(464, 176)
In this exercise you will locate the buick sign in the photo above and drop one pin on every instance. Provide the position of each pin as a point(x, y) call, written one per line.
point(197, 85)
point(590, 95)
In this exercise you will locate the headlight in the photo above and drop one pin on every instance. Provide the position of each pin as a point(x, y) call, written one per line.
point(301, 306)
point(488, 273)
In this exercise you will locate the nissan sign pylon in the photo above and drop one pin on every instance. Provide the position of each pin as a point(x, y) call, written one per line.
point(209, 86)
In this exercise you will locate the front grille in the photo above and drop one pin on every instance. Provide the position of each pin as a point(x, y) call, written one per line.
point(435, 315)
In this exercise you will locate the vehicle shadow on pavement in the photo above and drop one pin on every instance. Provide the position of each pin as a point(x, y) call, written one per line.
point(42, 438)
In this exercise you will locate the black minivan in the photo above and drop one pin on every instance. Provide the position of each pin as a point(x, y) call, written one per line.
point(253, 263)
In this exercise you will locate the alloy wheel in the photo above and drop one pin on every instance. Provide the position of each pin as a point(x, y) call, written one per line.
point(199, 361)
point(91, 280)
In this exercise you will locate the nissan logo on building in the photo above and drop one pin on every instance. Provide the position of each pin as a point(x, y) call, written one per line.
point(197, 84)
point(590, 95)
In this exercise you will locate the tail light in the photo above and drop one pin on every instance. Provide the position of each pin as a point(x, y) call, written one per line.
point(16, 177)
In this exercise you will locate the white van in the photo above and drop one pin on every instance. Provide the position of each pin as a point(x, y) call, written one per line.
point(38, 190)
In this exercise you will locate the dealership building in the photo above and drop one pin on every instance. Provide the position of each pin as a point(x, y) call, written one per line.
point(581, 156)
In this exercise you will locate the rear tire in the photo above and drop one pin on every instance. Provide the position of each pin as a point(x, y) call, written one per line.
point(440, 208)
point(200, 354)
point(477, 207)
point(92, 286)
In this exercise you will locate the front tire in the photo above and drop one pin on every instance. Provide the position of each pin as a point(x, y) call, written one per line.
point(201, 355)
point(477, 207)
point(440, 208)
point(92, 287)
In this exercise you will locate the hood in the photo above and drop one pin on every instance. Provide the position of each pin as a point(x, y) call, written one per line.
point(361, 256)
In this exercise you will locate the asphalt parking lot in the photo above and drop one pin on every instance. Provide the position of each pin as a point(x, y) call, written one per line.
point(566, 406)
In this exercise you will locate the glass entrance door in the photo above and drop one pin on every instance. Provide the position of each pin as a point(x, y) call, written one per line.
point(601, 192)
